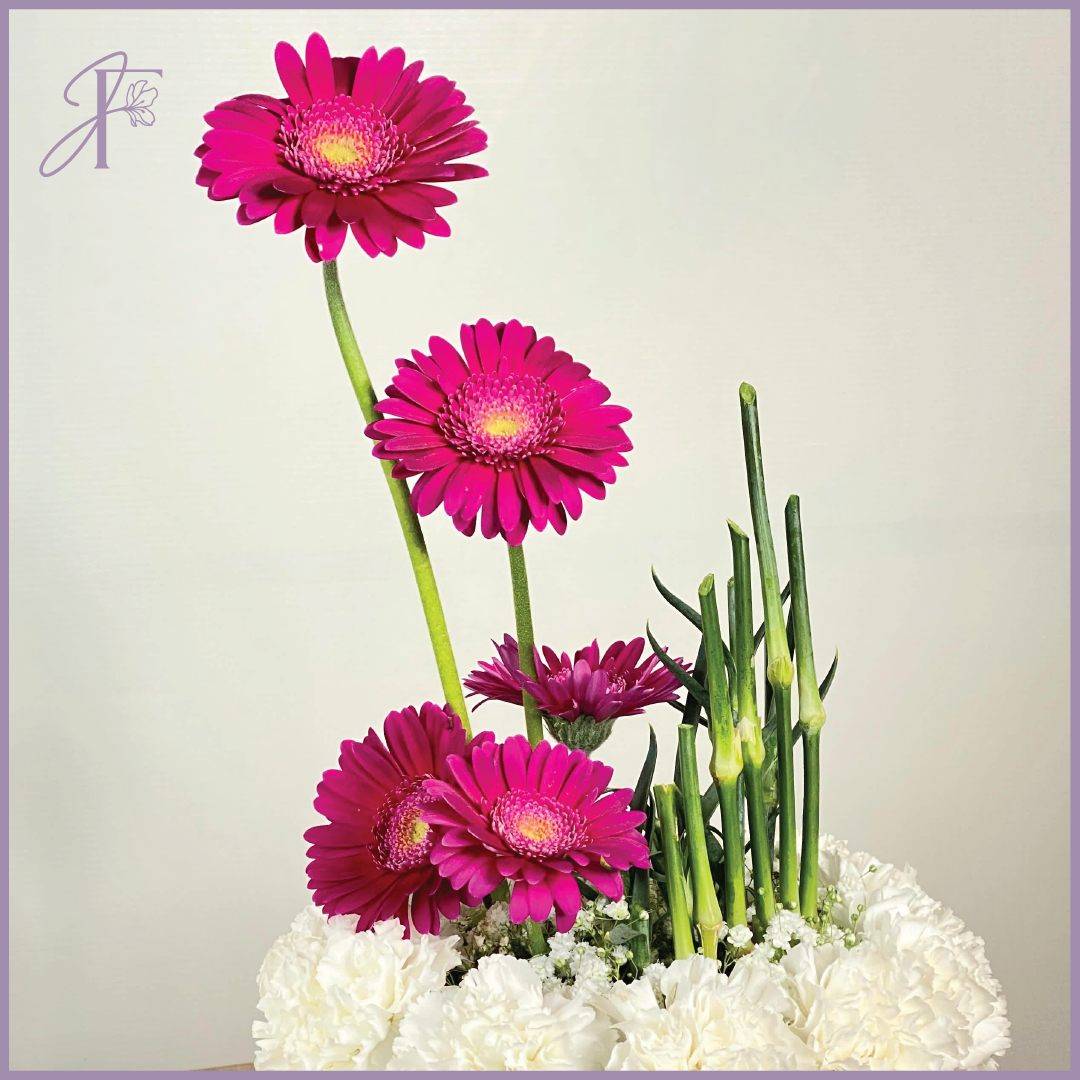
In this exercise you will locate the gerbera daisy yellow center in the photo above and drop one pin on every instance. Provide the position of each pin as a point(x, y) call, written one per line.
point(503, 422)
point(346, 148)
point(402, 841)
point(536, 825)
point(339, 148)
point(536, 828)
point(500, 419)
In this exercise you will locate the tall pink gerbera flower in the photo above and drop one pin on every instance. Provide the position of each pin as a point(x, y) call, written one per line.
point(580, 699)
point(510, 430)
point(535, 817)
point(376, 852)
point(357, 144)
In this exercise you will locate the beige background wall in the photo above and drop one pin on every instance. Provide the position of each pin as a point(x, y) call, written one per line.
point(866, 215)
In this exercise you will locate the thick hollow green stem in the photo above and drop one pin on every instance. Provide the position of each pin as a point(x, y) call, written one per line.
point(753, 746)
point(808, 880)
point(811, 711)
point(775, 636)
point(675, 875)
point(534, 725)
point(785, 799)
point(764, 900)
point(727, 762)
point(707, 915)
point(734, 876)
point(399, 491)
point(726, 757)
point(641, 943)
point(779, 671)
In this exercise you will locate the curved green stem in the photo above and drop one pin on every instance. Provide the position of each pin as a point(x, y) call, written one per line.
point(399, 491)
point(519, 578)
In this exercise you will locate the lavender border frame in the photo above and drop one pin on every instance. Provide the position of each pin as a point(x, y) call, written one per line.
point(494, 5)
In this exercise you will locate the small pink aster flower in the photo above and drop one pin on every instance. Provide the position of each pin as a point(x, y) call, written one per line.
point(376, 852)
point(601, 687)
point(510, 430)
point(535, 817)
point(357, 145)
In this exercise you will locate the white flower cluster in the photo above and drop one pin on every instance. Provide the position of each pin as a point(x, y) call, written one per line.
point(333, 998)
point(502, 1017)
point(590, 957)
point(890, 979)
point(901, 985)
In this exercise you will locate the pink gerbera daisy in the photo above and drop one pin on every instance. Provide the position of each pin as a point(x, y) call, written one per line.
point(582, 698)
point(600, 687)
point(535, 817)
point(357, 144)
point(376, 852)
point(510, 430)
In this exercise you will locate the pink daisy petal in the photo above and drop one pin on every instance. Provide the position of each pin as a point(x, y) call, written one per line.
point(291, 72)
point(519, 902)
point(330, 238)
point(391, 65)
point(320, 69)
point(360, 234)
point(366, 73)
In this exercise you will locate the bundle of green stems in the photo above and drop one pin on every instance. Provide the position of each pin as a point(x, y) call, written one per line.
point(723, 686)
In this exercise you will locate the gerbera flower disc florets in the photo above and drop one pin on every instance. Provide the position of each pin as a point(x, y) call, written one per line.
point(535, 817)
point(510, 431)
point(358, 143)
point(376, 852)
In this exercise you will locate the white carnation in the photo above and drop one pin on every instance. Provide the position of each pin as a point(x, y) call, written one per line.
point(914, 990)
point(333, 998)
point(501, 1017)
point(710, 1021)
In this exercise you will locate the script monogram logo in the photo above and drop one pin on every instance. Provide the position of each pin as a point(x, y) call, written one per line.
point(137, 106)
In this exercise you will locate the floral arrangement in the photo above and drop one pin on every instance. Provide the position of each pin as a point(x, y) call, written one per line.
point(501, 905)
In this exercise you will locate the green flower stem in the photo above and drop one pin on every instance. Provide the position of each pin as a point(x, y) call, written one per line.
point(734, 876)
point(727, 763)
point(675, 876)
point(534, 724)
point(641, 943)
point(753, 747)
point(707, 915)
point(732, 627)
point(808, 882)
point(811, 711)
point(534, 932)
point(399, 490)
point(780, 672)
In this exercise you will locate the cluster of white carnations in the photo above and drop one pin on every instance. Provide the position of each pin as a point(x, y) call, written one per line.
point(890, 980)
